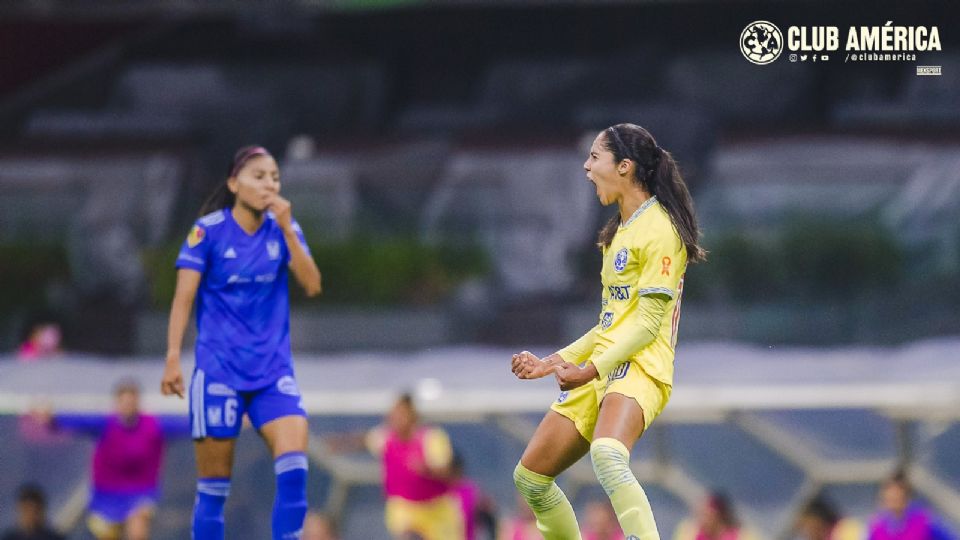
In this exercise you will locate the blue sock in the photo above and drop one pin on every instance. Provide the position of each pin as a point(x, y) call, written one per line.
point(208, 508)
point(290, 505)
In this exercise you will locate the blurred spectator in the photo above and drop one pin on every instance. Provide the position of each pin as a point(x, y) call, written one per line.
point(477, 509)
point(600, 523)
point(43, 340)
point(715, 520)
point(319, 526)
point(301, 148)
point(31, 516)
point(126, 462)
point(416, 475)
point(902, 518)
point(820, 520)
point(522, 526)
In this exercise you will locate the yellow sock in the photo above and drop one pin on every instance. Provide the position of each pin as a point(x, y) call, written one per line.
point(555, 517)
point(611, 463)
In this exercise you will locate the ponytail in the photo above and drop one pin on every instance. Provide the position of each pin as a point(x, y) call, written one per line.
point(221, 198)
point(673, 195)
point(658, 173)
point(607, 231)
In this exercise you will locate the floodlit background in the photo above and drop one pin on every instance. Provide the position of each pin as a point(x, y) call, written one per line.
point(433, 154)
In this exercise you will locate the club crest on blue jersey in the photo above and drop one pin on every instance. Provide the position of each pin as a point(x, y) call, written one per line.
point(287, 385)
point(273, 250)
point(606, 320)
point(620, 260)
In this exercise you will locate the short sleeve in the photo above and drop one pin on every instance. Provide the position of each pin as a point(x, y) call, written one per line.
point(193, 252)
point(662, 259)
point(437, 451)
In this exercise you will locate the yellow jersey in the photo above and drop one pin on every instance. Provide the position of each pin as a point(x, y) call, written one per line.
point(645, 258)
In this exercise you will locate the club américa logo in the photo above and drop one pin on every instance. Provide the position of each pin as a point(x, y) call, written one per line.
point(761, 42)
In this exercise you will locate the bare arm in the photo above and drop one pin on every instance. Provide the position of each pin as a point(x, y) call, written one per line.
point(188, 281)
point(301, 263)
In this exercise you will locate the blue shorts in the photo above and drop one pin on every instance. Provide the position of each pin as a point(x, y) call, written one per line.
point(216, 409)
point(115, 508)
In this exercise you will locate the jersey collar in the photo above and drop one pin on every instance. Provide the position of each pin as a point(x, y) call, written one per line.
point(646, 204)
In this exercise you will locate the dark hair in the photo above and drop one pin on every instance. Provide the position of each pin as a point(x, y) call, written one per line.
point(900, 478)
point(31, 492)
point(720, 502)
point(821, 508)
point(406, 399)
point(222, 197)
point(657, 172)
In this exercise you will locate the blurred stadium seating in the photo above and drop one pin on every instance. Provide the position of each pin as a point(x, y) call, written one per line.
point(772, 426)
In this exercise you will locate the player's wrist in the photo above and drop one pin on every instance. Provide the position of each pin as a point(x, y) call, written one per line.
point(554, 359)
point(590, 369)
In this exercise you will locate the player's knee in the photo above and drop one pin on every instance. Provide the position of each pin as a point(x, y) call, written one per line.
point(540, 491)
point(611, 464)
point(526, 485)
point(137, 526)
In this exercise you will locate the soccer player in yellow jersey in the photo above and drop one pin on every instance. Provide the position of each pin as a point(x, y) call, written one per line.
point(618, 377)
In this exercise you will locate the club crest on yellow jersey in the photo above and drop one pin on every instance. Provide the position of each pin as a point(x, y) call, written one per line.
point(620, 260)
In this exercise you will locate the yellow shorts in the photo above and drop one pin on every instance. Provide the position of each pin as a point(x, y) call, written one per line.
point(437, 519)
point(582, 404)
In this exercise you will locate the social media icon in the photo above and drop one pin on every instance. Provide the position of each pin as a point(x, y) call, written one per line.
point(803, 58)
point(793, 57)
point(824, 57)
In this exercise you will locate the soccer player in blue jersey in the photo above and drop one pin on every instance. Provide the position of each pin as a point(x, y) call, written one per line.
point(234, 264)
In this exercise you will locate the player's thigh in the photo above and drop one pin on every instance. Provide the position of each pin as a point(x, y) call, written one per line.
point(632, 401)
point(214, 457)
point(555, 445)
point(138, 523)
point(286, 434)
point(277, 413)
point(621, 418)
point(400, 516)
point(103, 529)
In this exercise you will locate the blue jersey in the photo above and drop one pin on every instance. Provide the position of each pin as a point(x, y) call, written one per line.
point(243, 304)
